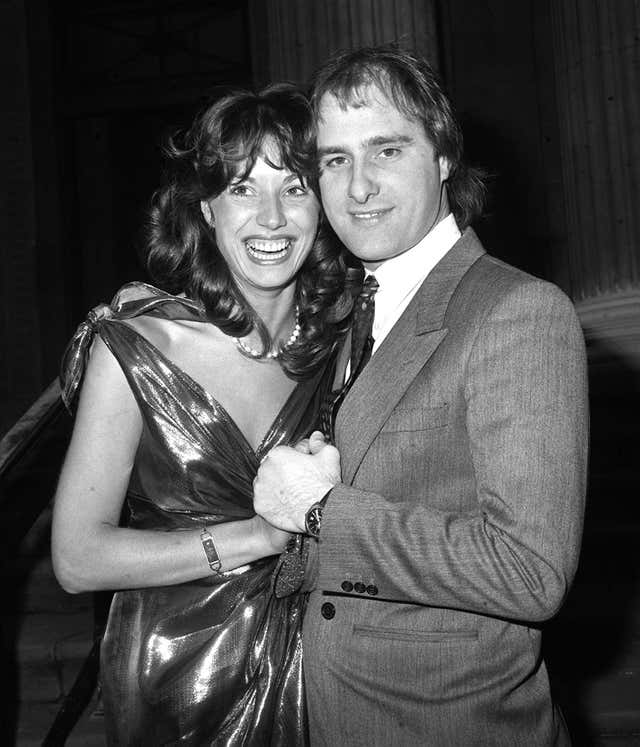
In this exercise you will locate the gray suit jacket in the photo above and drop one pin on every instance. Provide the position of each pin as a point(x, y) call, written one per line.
point(456, 529)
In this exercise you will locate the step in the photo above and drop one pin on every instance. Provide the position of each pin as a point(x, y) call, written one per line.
point(35, 720)
point(51, 648)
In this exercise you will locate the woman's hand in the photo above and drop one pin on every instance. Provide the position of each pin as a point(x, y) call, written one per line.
point(274, 539)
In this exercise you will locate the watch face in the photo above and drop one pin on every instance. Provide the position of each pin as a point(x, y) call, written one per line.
point(314, 518)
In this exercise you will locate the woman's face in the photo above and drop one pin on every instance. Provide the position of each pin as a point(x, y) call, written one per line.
point(265, 226)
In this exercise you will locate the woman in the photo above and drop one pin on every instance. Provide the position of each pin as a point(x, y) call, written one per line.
point(187, 386)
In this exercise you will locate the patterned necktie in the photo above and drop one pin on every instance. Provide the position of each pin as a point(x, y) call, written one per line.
point(361, 348)
point(361, 339)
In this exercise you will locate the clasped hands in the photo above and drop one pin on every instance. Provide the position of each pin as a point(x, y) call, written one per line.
point(290, 480)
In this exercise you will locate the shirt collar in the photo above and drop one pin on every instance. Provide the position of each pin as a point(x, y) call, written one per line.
point(400, 275)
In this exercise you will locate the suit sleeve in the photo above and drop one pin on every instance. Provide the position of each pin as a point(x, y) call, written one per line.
point(516, 553)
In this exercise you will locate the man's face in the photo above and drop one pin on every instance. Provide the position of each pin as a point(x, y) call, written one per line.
point(380, 181)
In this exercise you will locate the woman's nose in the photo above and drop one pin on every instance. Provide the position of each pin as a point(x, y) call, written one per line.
point(271, 215)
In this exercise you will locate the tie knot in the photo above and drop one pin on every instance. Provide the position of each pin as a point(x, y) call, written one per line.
point(369, 288)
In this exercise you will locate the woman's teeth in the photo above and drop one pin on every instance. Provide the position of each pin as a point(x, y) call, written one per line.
point(268, 249)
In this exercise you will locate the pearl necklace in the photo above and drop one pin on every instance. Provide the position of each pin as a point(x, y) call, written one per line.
point(271, 354)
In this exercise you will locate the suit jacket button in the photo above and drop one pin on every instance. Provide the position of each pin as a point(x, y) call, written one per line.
point(328, 611)
point(346, 586)
point(372, 589)
point(359, 587)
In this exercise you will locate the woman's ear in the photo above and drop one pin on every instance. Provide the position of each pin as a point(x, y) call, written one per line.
point(205, 209)
point(445, 168)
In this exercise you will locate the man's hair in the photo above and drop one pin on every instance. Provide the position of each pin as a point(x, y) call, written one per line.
point(412, 85)
point(181, 253)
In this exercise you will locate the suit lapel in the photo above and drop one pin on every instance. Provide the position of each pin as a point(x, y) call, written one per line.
point(403, 353)
point(377, 390)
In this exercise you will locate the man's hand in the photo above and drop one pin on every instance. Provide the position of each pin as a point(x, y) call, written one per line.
point(290, 481)
point(311, 445)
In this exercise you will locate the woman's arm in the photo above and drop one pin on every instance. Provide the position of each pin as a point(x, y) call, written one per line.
point(90, 551)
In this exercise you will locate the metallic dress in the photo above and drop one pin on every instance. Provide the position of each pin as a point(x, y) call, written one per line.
point(215, 661)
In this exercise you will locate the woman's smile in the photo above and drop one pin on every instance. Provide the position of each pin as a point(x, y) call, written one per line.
point(269, 251)
point(265, 224)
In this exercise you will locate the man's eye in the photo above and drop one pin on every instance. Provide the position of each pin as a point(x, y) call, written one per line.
point(334, 162)
point(296, 191)
point(389, 152)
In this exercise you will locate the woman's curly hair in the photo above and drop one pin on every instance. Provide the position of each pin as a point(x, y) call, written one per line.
point(181, 254)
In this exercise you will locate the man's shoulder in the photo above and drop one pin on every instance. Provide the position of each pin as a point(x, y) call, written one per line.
point(502, 277)
point(491, 282)
point(485, 267)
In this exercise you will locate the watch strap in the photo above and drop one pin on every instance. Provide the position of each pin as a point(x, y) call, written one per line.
point(313, 517)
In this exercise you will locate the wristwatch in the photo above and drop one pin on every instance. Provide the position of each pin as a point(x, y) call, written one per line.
point(313, 517)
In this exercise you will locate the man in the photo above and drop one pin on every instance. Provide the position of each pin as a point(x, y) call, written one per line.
point(448, 516)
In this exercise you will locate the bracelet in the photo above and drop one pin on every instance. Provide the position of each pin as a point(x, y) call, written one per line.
point(210, 550)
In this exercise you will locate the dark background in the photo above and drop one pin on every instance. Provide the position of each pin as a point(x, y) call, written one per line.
point(105, 80)
point(548, 94)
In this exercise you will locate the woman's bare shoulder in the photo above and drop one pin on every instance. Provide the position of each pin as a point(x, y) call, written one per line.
point(176, 338)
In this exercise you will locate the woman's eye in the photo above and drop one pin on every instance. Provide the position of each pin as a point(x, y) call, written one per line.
point(296, 191)
point(240, 190)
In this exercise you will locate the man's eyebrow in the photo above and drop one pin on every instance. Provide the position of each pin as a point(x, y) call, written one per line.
point(376, 141)
point(388, 140)
point(325, 151)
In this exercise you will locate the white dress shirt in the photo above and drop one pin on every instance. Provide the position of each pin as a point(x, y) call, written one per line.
point(400, 277)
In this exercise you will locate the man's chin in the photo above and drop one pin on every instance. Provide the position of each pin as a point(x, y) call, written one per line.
point(372, 255)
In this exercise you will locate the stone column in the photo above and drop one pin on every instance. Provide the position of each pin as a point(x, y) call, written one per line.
point(597, 55)
point(290, 38)
point(597, 63)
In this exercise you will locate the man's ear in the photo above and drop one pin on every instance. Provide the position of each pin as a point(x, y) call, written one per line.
point(205, 209)
point(445, 168)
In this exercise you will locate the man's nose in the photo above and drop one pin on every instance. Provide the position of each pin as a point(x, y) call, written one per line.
point(362, 185)
point(271, 215)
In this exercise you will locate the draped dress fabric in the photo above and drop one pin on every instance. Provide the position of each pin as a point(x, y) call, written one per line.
point(216, 661)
